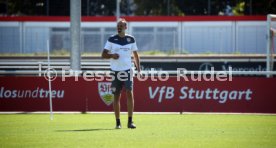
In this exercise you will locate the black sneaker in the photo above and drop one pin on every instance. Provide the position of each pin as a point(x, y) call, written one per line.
point(118, 127)
point(131, 125)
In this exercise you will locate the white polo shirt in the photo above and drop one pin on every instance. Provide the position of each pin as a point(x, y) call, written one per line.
point(124, 46)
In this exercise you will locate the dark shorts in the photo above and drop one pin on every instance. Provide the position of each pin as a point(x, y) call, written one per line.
point(121, 79)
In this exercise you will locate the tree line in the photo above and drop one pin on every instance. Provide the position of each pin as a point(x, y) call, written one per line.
point(138, 7)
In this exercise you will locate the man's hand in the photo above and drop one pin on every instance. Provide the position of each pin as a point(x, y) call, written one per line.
point(139, 74)
point(115, 56)
point(107, 55)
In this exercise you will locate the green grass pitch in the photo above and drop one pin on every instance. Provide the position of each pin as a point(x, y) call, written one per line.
point(153, 130)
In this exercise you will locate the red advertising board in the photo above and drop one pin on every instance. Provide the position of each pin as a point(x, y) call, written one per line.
point(241, 95)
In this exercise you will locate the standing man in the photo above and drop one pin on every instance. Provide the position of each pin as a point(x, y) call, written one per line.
point(119, 49)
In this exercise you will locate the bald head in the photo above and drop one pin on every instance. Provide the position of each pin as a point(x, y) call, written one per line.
point(121, 26)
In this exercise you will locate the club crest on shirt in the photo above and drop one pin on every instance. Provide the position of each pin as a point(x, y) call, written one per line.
point(128, 39)
point(105, 92)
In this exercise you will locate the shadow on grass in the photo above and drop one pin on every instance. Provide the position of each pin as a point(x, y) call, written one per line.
point(85, 130)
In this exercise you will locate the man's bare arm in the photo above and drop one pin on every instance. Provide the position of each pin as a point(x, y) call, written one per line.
point(137, 60)
point(107, 55)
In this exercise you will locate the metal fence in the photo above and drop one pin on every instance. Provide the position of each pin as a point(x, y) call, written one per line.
point(178, 37)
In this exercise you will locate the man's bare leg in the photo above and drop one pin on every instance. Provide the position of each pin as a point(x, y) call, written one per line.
point(130, 108)
point(116, 107)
